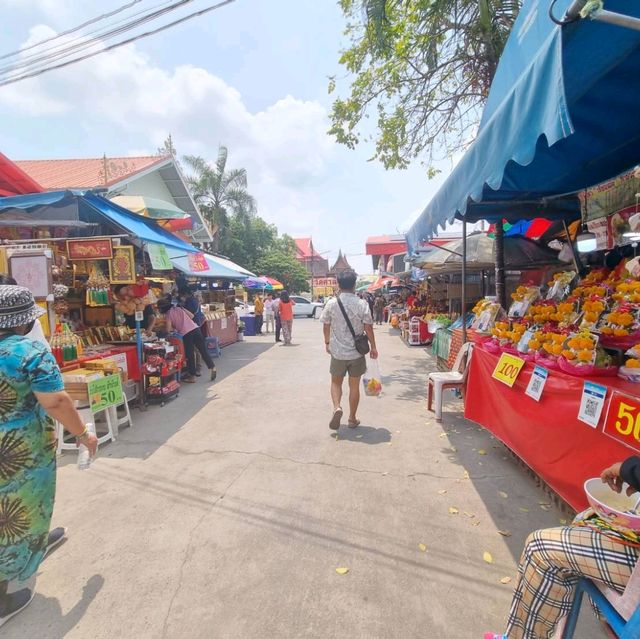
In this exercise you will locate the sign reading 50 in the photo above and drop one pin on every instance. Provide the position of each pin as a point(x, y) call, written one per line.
point(623, 419)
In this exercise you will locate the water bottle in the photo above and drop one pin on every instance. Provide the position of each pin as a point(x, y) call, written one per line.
point(84, 456)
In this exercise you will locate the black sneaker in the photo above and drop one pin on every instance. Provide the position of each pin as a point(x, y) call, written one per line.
point(12, 604)
point(214, 374)
point(56, 537)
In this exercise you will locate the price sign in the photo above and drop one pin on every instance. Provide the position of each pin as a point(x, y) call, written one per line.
point(105, 392)
point(139, 316)
point(591, 404)
point(623, 419)
point(537, 382)
point(507, 369)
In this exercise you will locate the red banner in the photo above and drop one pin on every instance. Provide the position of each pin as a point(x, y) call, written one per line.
point(623, 420)
point(197, 262)
point(90, 249)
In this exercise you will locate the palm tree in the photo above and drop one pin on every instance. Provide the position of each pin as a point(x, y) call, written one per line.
point(221, 193)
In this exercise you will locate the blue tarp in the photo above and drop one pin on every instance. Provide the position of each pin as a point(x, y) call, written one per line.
point(89, 207)
point(562, 115)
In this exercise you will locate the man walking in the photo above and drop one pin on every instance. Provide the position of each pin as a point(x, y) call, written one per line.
point(340, 344)
point(258, 312)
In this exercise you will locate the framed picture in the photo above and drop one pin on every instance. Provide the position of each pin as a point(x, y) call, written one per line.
point(98, 249)
point(122, 267)
point(32, 270)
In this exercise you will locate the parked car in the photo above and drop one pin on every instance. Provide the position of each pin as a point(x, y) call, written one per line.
point(305, 307)
point(244, 309)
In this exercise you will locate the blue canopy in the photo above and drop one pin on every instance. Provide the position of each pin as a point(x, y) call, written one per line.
point(218, 269)
point(88, 207)
point(562, 115)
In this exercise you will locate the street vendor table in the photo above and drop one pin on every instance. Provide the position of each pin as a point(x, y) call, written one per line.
point(129, 353)
point(547, 435)
point(440, 347)
point(225, 329)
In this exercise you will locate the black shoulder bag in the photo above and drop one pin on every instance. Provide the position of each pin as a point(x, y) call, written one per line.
point(361, 341)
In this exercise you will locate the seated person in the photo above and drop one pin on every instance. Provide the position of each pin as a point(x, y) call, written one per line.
point(554, 559)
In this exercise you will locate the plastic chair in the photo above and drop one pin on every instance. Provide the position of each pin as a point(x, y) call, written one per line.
point(621, 611)
point(88, 416)
point(438, 382)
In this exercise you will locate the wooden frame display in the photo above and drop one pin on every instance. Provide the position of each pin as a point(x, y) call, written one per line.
point(93, 249)
point(32, 270)
point(122, 267)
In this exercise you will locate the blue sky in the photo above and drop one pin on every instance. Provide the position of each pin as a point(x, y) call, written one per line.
point(252, 76)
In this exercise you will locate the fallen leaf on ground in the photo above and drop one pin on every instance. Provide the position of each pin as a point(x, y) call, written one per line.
point(383, 474)
point(505, 533)
point(522, 509)
point(542, 502)
point(342, 571)
point(563, 522)
point(475, 522)
point(442, 492)
point(545, 507)
point(487, 557)
point(503, 494)
point(505, 580)
point(480, 464)
point(453, 510)
point(465, 475)
point(470, 515)
point(442, 435)
point(422, 548)
point(482, 451)
point(453, 449)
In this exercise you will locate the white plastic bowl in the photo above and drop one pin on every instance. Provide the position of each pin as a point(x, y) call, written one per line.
point(611, 506)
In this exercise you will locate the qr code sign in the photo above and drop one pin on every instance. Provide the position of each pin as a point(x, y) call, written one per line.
point(535, 385)
point(591, 408)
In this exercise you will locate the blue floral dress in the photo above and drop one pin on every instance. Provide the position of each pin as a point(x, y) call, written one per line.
point(27, 455)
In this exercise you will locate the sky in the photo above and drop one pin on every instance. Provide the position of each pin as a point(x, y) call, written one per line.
point(252, 76)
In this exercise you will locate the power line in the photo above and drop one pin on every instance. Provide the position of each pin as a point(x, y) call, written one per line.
point(116, 45)
point(104, 16)
point(45, 57)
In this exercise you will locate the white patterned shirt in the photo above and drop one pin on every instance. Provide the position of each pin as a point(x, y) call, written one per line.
point(342, 345)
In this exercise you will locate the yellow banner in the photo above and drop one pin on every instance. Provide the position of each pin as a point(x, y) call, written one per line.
point(507, 369)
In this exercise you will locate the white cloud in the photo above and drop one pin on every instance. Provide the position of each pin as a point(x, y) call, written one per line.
point(284, 147)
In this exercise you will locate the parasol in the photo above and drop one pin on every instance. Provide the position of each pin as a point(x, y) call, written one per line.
point(262, 283)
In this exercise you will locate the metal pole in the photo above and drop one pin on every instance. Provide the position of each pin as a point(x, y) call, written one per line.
point(464, 280)
point(576, 259)
point(609, 17)
point(501, 292)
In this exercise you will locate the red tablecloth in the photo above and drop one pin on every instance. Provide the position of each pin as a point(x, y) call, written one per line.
point(546, 435)
point(225, 330)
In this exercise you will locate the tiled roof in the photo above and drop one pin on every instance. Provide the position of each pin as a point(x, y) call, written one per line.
point(303, 248)
point(86, 173)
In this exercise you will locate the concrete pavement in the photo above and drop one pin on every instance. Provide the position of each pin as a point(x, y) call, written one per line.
point(226, 513)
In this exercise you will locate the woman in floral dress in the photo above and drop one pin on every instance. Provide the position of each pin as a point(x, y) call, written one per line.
point(30, 384)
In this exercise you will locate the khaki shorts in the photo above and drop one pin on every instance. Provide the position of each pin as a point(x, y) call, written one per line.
point(354, 367)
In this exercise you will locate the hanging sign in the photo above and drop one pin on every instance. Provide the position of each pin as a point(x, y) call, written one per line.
point(537, 382)
point(507, 369)
point(623, 419)
point(592, 403)
point(100, 249)
point(159, 257)
point(197, 262)
point(105, 392)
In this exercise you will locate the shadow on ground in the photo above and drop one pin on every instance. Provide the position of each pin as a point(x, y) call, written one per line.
point(364, 435)
point(157, 424)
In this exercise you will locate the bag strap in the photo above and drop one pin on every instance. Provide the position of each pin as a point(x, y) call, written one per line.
point(346, 317)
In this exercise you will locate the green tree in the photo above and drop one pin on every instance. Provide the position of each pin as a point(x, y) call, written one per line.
point(283, 266)
point(221, 193)
point(423, 69)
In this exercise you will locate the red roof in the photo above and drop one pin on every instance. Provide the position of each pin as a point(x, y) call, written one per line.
point(14, 181)
point(86, 173)
point(386, 245)
point(304, 250)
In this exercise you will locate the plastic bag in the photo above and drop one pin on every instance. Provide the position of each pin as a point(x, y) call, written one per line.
point(372, 379)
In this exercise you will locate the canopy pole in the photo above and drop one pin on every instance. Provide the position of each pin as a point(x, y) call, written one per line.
point(464, 280)
point(577, 263)
point(501, 292)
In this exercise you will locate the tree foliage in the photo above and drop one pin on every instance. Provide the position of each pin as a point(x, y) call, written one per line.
point(283, 266)
point(423, 69)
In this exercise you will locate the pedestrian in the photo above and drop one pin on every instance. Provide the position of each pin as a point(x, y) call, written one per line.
point(258, 306)
point(268, 313)
point(285, 308)
point(179, 320)
point(344, 309)
point(554, 559)
point(30, 387)
point(378, 309)
point(276, 314)
point(191, 303)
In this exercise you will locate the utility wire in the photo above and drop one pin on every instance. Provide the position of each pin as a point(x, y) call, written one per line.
point(116, 45)
point(104, 16)
point(44, 57)
point(81, 38)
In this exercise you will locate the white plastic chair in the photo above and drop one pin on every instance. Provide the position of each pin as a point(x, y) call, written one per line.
point(439, 382)
point(88, 416)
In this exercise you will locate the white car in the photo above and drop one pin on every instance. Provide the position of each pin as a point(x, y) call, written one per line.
point(305, 307)
point(244, 309)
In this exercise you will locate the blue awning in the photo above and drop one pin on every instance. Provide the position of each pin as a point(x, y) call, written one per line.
point(217, 269)
point(561, 116)
point(88, 207)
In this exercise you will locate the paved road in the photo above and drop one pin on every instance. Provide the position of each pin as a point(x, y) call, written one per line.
point(225, 514)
